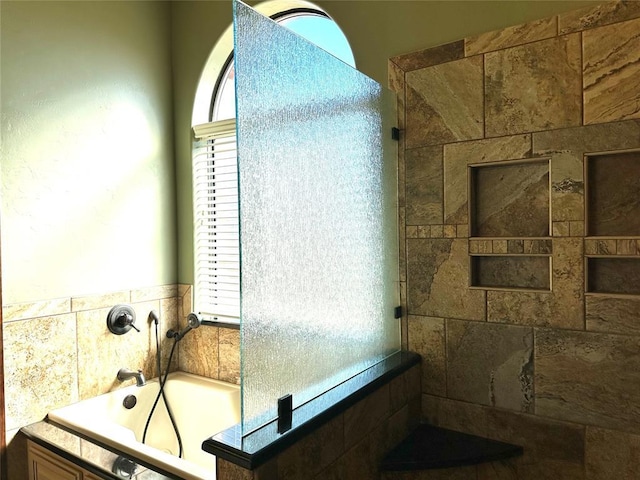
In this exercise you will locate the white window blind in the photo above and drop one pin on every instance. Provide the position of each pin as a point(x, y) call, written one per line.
point(216, 232)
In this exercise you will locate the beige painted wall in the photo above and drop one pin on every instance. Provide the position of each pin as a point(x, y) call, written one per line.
point(88, 191)
point(377, 30)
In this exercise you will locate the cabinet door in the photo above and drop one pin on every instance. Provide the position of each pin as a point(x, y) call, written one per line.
point(44, 465)
point(90, 476)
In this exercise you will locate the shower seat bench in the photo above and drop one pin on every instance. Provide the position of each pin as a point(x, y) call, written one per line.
point(429, 447)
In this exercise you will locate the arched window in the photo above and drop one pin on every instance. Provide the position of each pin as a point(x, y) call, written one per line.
point(215, 176)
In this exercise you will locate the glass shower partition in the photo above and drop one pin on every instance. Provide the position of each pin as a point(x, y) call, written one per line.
point(318, 218)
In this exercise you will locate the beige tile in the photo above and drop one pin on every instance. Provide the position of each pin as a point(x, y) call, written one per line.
point(444, 103)
point(591, 138)
point(511, 36)
point(427, 338)
point(611, 68)
point(361, 419)
point(534, 87)
point(92, 302)
point(424, 231)
point(437, 231)
point(199, 352)
point(560, 229)
point(519, 308)
point(411, 231)
point(396, 77)
point(405, 389)
point(567, 187)
point(611, 454)
point(154, 293)
point(588, 378)
point(598, 15)
point(458, 156)
point(449, 231)
point(576, 229)
point(313, 453)
point(101, 353)
point(41, 356)
point(430, 56)
point(462, 230)
point(613, 314)
point(626, 247)
point(455, 415)
point(499, 246)
point(543, 439)
point(424, 188)
point(515, 246)
point(229, 348)
point(436, 268)
point(23, 311)
point(490, 364)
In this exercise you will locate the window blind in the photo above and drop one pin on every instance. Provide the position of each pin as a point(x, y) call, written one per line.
point(216, 231)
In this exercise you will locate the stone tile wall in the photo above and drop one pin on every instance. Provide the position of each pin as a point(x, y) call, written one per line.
point(57, 352)
point(351, 445)
point(555, 369)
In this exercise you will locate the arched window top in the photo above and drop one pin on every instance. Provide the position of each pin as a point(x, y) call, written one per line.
point(215, 96)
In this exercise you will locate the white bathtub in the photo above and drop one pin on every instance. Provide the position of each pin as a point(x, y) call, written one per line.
point(201, 407)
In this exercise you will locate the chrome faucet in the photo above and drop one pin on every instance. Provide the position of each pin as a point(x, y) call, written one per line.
point(125, 374)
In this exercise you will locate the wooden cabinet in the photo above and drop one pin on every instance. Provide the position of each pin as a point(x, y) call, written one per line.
point(46, 465)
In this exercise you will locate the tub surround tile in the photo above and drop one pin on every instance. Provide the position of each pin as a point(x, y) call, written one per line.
point(511, 36)
point(457, 158)
point(92, 302)
point(611, 454)
point(444, 103)
point(430, 56)
point(551, 69)
point(436, 268)
point(229, 355)
point(424, 187)
point(605, 390)
point(192, 346)
point(45, 308)
point(613, 314)
point(611, 59)
point(594, 246)
point(39, 353)
point(395, 82)
point(490, 364)
point(101, 353)
point(154, 293)
point(598, 15)
point(427, 339)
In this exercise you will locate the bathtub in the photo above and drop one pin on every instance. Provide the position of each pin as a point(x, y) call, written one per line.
point(201, 407)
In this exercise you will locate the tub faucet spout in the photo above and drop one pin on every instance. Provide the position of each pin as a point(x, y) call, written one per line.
point(125, 374)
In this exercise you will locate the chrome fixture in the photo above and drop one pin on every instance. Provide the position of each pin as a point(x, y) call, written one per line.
point(125, 374)
point(121, 319)
point(193, 321)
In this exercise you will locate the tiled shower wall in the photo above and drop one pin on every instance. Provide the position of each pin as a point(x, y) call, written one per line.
point(57, 352)
point(499, 233)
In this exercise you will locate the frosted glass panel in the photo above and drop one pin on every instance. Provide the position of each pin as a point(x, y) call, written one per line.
point(317, 218)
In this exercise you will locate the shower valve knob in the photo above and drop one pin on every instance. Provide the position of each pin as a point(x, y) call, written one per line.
point(121, 319)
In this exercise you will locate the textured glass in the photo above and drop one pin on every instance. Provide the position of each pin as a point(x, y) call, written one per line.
point(317, 219)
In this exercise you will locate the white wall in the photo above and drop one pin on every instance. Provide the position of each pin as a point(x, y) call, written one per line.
point(88, 191)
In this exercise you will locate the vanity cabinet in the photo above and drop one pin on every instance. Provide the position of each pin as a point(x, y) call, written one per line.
point(46, 465)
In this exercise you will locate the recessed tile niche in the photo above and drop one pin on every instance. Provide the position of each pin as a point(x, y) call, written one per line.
point(613, 194)
point(510, 199)
point(613, 211)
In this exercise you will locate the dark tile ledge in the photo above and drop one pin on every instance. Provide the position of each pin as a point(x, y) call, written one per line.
point(266, 443)
point(429, 447)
